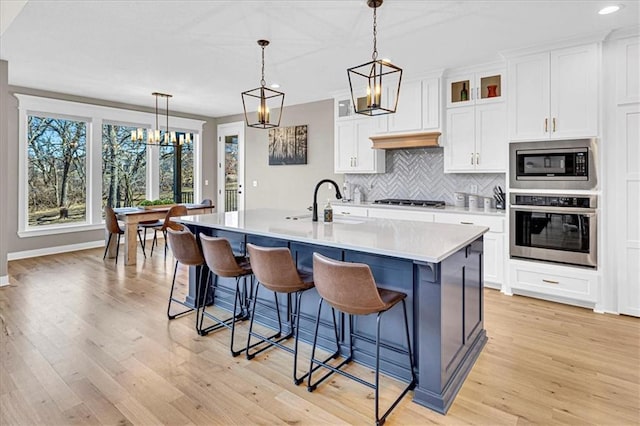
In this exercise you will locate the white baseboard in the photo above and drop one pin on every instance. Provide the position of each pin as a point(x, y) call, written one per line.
point(64, 249)
point(54, 250)
point(4, 280)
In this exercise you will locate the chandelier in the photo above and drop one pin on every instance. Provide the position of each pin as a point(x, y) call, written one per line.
point(154, 136)
point(262, 100)
point(369, 81)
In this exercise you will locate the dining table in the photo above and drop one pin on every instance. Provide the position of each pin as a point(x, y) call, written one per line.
point(132, 216)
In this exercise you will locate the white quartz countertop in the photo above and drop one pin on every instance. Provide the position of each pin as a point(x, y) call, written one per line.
point(421, 241)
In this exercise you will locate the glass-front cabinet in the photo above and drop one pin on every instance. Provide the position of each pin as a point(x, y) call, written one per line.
point(475, 88)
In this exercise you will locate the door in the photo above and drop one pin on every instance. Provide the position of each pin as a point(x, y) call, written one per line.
point(231, 167)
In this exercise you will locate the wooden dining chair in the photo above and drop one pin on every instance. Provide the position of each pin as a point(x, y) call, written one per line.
point(113, 228)
point(179, 210)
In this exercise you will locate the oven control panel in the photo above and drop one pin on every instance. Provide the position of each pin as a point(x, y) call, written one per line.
point(588, 202)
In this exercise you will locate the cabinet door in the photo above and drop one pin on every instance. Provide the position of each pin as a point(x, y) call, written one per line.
point(529, 97)
point(493, 259)
point(431, 104)
point(460, 150)
point(344, 142)
point(574, 92)
point(491, 137)
point(367, 159)
point(460, 90)
point(488, 87)
point(408, 116)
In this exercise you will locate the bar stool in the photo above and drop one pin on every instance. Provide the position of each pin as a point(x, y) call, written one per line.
point(185, 249)
point(350, 288)
point(274, 269)
point(222, 262)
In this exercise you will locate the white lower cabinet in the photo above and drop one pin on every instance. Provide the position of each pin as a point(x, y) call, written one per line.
point(554, 282)
point(494, 254)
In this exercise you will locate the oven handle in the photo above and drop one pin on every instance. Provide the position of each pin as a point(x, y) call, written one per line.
point(551, 209)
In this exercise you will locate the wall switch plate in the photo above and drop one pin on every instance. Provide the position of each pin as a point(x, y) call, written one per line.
point(255, 183)
point(206, 182)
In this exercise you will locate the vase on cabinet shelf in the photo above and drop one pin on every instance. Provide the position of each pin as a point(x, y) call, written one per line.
point(492, 91)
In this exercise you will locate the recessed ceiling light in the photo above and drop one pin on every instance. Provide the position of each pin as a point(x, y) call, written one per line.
point(275, 85)
point(609, 9)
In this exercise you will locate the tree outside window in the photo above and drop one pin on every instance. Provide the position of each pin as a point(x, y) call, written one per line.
point(124, 165)
point(57, 172)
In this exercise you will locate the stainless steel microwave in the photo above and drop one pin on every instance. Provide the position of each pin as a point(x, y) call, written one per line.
point(566, 164)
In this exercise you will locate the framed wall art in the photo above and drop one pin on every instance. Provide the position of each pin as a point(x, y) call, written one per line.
point(288, 145)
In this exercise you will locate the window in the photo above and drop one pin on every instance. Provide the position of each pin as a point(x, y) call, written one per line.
point(75, 158)
point(57, 171)
point(124, 165)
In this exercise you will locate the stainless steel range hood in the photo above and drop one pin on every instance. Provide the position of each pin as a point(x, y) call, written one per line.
point(406, 140)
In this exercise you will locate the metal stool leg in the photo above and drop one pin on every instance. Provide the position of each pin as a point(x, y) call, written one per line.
point(104, 256)
point(171, 299)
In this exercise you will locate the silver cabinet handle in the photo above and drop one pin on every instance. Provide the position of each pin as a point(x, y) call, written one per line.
point(472, 158)
point(554, 124)
point(546, 125)
point(477, 158)
point(466, 223)
point(550, 281)
point(345, 213)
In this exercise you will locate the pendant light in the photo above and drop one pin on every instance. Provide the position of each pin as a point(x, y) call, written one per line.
point(154, 135)
point(375, 85)
point(263, 101)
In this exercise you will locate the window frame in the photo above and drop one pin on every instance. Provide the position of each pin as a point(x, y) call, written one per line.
point(94, 116)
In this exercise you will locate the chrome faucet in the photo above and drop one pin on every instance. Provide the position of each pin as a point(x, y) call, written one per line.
point(315, 196)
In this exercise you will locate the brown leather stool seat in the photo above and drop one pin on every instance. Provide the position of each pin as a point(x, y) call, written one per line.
point(274, 270)
point(186, 250)
point(350, 288)
point(222, 262)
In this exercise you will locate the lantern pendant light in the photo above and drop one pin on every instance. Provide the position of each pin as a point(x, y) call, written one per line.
point(263, 101)
point(375, 85)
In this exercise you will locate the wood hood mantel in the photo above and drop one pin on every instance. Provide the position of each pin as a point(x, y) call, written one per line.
point(406, 140)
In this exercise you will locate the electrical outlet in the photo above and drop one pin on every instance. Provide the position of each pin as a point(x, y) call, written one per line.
point(473, 189)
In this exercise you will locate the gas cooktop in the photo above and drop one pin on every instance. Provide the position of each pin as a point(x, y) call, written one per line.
point(403, 202)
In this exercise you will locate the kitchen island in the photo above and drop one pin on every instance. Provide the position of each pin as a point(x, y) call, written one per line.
point(438, 266)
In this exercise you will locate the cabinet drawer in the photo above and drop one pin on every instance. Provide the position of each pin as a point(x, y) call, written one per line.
point(495, 224)
point(569, 283)
point(401, 214)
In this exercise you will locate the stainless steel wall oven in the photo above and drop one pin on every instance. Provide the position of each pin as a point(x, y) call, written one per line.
point(554, 228)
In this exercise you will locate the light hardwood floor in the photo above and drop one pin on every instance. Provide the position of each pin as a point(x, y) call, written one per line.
point(85, 341)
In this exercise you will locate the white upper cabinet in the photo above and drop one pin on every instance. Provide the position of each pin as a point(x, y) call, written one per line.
point(476, 127)
point(476, 139)
point(418, 107)
point(475, 88)
point(554, 94)
point(353, 152)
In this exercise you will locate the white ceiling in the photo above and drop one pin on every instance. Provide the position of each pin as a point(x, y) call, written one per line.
point(205, 52)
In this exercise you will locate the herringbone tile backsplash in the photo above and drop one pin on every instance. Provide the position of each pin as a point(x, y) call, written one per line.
point(419, 174)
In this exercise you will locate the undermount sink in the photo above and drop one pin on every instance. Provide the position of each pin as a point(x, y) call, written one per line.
point(347, 220)
point(336, 219)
